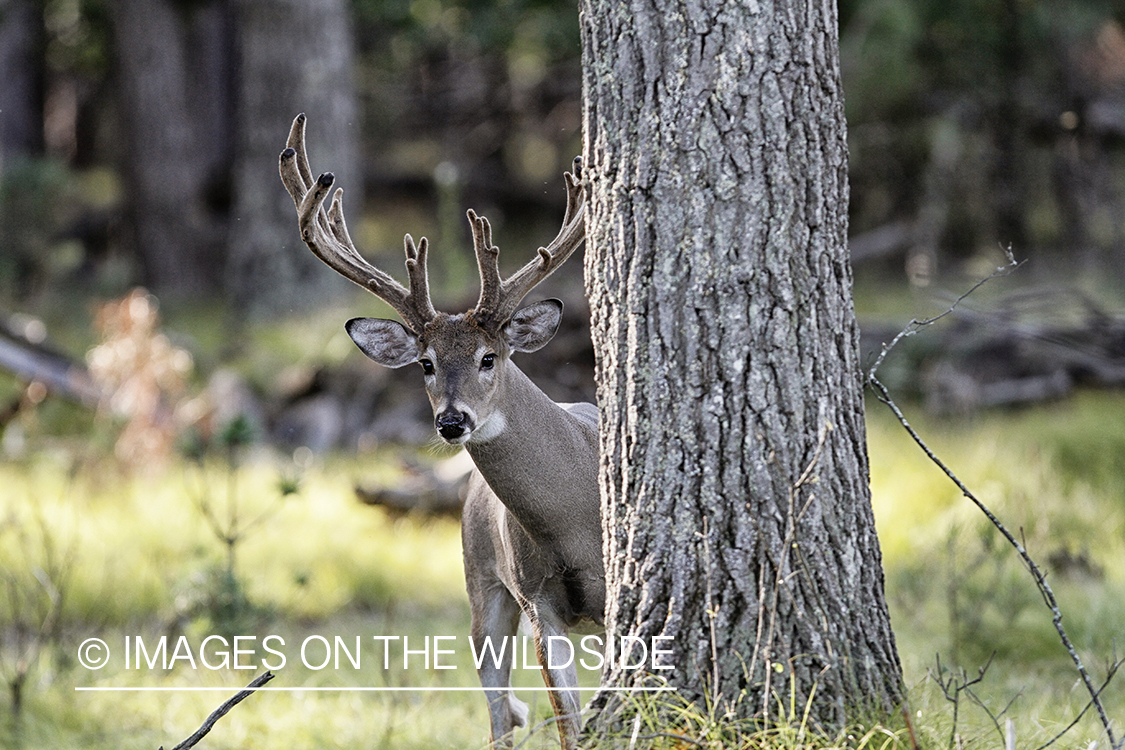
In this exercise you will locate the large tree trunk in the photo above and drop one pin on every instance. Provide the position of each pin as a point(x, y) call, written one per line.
point(734, 471)
point(296, 56)
point(174, 74)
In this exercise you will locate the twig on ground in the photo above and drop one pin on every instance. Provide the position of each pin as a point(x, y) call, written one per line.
point(541, 725)
point(670, 736)
point(995, 717)
point(222, 711)
point(961, 683)
point(1045, 589)
point(958, 683)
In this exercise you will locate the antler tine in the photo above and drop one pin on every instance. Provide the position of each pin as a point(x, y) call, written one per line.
point(327, 236)
point(575, 196)
point(296, 141)
point(299, 180)
point(488, 257)
point(499, 299)
point(419, 277)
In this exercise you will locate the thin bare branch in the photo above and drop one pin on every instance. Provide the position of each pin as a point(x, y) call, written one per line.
point(1037, 574)
point(959, 682)
point(1109, 677)
point(223, 710)
point(916, 325)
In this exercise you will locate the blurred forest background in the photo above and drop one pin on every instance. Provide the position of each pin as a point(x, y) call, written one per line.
point(139, 140)
point(160, 321)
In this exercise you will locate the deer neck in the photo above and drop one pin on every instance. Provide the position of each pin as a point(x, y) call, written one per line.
point(542, 463)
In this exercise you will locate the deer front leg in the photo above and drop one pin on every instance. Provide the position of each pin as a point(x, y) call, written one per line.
point(495, 619)
point(556, 660)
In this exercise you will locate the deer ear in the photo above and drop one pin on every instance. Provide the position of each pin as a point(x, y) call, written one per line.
point(531, 327)
point(388, 342)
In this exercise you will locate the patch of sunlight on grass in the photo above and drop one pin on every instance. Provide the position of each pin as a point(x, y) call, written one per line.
point(1014, 464)
point(297, 707)
point(304, 718)
point(130, 542)
point(320, 563)
point(326, 551)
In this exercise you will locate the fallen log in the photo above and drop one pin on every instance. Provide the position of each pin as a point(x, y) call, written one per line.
point(1032, 346)
point(435, 491)
point(35, 361)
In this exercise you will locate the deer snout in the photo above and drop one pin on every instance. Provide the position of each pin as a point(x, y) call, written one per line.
point(452, 424)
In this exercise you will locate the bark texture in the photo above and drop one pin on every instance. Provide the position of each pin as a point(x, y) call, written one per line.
point(734, 472)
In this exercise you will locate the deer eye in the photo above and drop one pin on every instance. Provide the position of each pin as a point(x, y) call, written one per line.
point(487, 361)
point(427, 366)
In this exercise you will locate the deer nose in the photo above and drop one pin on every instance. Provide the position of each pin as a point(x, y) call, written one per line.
point(451, 424)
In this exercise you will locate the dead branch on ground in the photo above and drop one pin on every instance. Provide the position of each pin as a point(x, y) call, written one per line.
point(223, 710)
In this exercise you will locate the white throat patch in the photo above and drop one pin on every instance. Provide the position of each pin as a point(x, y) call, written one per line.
point(489, 428)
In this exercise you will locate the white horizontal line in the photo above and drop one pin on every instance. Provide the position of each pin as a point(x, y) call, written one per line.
point(157, 689)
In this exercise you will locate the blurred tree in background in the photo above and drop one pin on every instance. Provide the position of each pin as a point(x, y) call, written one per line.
point(176, 117)
point(21, 86)
point(138, 139)
point(202, 88)
point(982, 122)
point(292, 55)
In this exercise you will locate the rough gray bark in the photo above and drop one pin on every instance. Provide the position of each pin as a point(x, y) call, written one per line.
point(174, 74)
point(295, 56)
point(734, 472)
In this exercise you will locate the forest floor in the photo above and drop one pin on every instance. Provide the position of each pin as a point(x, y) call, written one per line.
point(274, 548)
point(136, 558)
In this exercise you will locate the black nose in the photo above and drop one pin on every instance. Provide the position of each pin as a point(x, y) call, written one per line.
point(451, 424)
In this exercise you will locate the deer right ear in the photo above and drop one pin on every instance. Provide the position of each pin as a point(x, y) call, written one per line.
point(533, 326)
point(387, 342)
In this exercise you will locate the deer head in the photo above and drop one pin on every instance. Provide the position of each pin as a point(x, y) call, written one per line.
point(464, 356)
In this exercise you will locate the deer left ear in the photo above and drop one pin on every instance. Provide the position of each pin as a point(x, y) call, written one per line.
point(531, 327)
point(387, 342)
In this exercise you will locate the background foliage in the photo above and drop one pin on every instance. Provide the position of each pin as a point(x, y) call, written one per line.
point(973, 123)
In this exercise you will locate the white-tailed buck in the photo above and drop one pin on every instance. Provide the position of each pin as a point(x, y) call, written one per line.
point(531, 525)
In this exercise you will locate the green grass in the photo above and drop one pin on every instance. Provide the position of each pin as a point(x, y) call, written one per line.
point(1054, 476)
point(134, 556)
point(139, 554)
